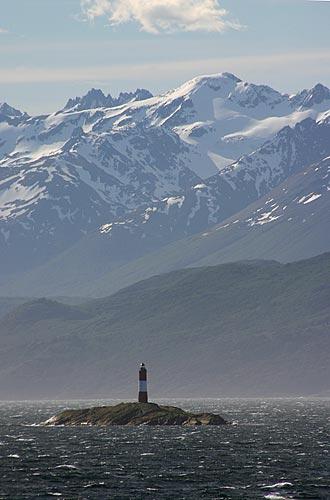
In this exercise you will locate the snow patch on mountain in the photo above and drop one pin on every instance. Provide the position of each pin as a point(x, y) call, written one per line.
point(309, 198)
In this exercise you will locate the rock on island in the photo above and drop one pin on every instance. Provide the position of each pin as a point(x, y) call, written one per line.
point(134, 414)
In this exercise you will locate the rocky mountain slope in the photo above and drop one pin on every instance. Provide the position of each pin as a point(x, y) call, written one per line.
point(279, 174)
point(100, 158)
point(234, 188)
point(289, 224)
point(247, 329)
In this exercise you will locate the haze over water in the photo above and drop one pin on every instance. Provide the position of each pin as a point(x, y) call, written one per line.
point(276, 449)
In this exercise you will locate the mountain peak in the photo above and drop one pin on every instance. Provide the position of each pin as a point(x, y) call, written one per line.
point(317, 94)
point(7, 110)
point(229, 86)
point(310, 97)
point(231, 76)
point(251, 95)
point(11, 115)
point(95, 93)
point(95, 98)
point(215, 80)
point(223, 83)
point(138, 95)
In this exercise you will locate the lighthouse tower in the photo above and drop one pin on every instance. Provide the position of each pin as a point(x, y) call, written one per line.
point(143, 391)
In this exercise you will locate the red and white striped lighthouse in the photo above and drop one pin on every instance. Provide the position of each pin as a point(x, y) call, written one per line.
point(143, 390)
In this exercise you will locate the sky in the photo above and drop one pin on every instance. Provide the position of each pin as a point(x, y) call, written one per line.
point(51, 50)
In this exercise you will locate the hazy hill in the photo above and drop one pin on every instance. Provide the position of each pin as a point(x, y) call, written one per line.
point(249, 328)
point(8, 304)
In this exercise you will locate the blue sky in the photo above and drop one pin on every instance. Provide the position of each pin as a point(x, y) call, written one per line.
point(51, 50)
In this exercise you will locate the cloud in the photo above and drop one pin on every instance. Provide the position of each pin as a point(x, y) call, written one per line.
point(156, 71)
point(156, 16)
point(3, 31)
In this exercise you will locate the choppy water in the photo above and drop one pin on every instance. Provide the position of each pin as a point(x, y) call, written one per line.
point(278, 449)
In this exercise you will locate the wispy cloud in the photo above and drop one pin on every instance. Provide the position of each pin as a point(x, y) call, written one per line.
point(163, 70)
point(156, 16)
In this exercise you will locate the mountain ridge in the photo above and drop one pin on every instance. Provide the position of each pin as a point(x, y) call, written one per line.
point(95, 98)
point(212, 211)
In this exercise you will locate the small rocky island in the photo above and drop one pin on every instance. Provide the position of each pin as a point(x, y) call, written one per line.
point(134, 414)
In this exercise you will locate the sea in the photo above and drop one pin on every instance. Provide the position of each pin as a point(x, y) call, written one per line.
point(275, 449)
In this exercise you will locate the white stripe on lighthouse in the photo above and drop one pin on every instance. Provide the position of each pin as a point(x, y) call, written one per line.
point(142, 386)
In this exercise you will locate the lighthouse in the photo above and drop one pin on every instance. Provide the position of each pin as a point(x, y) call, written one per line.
point(143, 391)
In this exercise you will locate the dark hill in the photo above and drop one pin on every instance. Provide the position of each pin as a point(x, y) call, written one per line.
point(234, 329)
point(134, 414)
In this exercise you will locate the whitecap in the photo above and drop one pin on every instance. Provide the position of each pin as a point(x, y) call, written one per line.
point(94, 485)
point(272, 496)
point(66, 466)
point(283, 484)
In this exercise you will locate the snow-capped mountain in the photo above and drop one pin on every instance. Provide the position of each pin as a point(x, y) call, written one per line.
point(290, 223)
point(223, 118)
point(154, 161)
point(282, 188)
point(229, 191)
